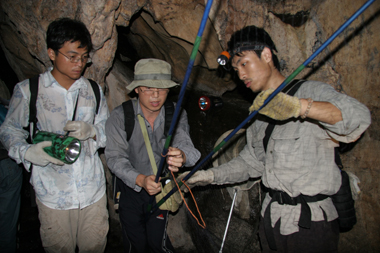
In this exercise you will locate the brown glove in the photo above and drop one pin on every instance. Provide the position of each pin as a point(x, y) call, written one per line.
point(199, 178)
point(281, 107)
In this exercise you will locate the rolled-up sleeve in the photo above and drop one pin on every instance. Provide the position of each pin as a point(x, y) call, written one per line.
point(356, 116)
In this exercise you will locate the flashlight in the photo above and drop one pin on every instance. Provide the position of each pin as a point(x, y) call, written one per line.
point(223, 58)
point(205, 103)
point(64, 148)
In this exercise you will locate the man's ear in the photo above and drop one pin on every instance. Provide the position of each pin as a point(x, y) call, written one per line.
point(137, 90)
point(266, 54)
point(51, 54)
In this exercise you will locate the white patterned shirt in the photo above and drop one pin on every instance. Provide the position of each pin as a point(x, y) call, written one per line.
point(69, 186)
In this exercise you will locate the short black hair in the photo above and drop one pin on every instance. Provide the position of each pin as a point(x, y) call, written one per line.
point(66, 29)
point(252, 38)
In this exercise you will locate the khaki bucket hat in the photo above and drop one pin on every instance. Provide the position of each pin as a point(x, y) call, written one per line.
point(153, 73)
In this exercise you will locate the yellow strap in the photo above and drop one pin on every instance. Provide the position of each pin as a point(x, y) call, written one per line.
point(147, 143)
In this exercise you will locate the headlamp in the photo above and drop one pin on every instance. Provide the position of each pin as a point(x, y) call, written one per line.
point(63, 147)
point(223, 58)
point(205, 103)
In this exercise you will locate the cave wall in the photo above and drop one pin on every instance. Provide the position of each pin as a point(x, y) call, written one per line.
point(167, 29)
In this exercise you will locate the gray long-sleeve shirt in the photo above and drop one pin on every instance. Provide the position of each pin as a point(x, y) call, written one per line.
point(127, 163)
point(299, 157)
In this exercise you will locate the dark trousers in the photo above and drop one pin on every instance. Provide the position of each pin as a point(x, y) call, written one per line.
point(322, 236)
point(10, 187)
point(142, 232)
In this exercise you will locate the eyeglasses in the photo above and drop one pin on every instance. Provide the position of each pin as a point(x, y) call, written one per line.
point(150, 91)
point(75, 59)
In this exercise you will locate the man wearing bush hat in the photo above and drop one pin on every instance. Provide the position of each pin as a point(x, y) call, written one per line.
point(127, 156)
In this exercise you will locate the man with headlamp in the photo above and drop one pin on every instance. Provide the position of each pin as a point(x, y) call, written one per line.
point(296, 160)
point(71, 197)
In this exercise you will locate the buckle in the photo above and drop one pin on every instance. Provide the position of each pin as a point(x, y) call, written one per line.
point(284, 198)
point(280, 199)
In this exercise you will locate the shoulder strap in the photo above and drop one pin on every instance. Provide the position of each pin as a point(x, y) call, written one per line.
point(147, 144)
point(268, 132)
point(33, 87)
point(337, 159)
point(129, 118)
point(293, 89)
point(169, 112)
point(95, 88)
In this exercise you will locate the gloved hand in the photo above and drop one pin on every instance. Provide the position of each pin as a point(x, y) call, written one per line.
point(37, 155)
point(80, 130)
point(199, 178)
point(281, 107)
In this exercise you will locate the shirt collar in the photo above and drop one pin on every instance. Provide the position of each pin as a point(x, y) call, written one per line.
point(50, 80)
point(160, 118)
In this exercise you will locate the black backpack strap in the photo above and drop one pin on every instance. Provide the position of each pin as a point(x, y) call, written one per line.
point(33, 86)
point(129, 118)
point(292, 89)
point(268, 133)
point(129, 124)
point(95, 88)
point(169, 112)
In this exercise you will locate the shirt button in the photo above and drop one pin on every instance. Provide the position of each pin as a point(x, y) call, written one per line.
point(271, 152)
point(270, 171)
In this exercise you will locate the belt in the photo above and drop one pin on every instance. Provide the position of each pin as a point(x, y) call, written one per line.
point(283, 198)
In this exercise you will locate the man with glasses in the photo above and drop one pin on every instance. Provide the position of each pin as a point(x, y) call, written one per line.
point(71, 198)
point(127, 156)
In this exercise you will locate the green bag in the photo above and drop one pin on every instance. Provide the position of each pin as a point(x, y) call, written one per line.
point(174, 201)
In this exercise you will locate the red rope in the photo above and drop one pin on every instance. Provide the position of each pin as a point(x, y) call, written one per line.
point(183, 198)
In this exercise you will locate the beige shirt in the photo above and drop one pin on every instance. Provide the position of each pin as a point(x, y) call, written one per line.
point(299, 157)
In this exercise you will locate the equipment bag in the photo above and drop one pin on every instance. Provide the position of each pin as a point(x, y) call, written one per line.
point(343, 201)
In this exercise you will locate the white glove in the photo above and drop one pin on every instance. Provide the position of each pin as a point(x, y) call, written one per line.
point(37, 155)
point(199, 178)
point(80, 130)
